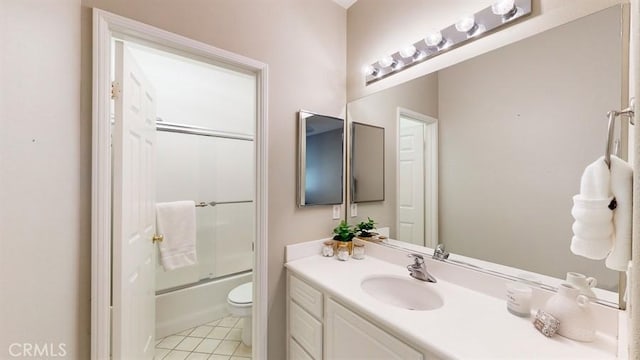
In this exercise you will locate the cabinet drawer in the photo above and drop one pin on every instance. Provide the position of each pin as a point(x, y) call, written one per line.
point(309, 298)
point(306, 330)
point(296, 352)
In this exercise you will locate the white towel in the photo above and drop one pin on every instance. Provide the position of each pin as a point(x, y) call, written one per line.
point(596, 181)
point(621, 187)
point(176, 221)
point(592, 229)
point(586, 232)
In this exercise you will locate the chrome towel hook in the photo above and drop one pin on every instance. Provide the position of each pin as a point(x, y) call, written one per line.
point(612, 115)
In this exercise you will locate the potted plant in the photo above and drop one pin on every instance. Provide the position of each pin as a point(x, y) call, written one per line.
point(364, 228)
point(344, 233)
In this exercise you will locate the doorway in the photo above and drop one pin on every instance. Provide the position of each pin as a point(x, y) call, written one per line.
point(170, 144)
point(417, 178)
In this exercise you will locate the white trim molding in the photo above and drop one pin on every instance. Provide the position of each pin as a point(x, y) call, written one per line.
point(105, 24)
point(633, 282)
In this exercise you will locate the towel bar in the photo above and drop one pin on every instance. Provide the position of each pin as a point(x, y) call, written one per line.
point(214, 203)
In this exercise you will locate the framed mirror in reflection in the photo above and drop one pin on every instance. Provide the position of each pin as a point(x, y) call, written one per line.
point(515, 129)
point(320, 157)
point(367, 163)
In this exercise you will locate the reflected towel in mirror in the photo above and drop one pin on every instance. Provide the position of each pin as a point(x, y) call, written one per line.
point(603, 231)
point(592, 214)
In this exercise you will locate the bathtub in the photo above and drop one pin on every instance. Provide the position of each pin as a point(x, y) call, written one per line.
point(195, 305)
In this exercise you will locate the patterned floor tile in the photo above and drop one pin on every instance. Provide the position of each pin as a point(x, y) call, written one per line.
point(227, 347)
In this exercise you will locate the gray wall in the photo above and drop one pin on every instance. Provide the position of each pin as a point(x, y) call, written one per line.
point(45, 153)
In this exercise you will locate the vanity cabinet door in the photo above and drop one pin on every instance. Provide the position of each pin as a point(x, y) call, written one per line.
point(296, 352)
point(306, 330)
point(348, 336)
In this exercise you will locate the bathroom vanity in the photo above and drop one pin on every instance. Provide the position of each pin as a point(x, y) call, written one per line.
point(334, 313)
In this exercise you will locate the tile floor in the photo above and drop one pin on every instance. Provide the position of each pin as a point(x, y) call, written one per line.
point(217, 340)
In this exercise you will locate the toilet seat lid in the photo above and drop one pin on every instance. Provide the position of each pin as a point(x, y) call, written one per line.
point(242, 294)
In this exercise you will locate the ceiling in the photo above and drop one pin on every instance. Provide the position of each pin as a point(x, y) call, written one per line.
point(345, 3)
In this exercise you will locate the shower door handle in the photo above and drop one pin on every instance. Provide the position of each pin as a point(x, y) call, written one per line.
point(157, 238)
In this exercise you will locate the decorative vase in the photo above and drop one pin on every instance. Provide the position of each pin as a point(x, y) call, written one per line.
point(574, 313)
point(583, 283)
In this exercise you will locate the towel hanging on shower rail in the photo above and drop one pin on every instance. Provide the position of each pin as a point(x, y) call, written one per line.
point(176, 221)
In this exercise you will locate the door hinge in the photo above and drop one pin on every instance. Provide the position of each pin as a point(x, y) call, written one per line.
point(115, 89)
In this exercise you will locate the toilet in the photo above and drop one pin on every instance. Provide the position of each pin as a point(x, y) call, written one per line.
point(240, 302)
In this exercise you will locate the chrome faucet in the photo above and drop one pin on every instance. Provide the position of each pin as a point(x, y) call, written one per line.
point(418, 270)
point(440, 253)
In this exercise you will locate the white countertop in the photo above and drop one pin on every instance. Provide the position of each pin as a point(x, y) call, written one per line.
point(470, 325)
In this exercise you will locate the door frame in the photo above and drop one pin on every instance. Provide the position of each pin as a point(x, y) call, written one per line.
point(104, 25)
point(431, 165)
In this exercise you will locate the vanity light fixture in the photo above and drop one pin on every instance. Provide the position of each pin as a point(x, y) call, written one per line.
point(436, 42)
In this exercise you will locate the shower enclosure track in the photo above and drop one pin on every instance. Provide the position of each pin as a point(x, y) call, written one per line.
point(196, 130)
point(201, 282)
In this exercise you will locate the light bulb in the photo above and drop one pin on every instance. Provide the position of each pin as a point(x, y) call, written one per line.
point(386, 61)
point(370, 70)
point(505, 8)
point(466, 24)
point(433, 38)
point(408, 51)
point(397, 65)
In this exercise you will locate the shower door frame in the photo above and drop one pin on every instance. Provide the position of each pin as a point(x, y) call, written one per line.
point(105, 24)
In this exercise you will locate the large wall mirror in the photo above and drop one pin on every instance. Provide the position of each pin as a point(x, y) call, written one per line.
point(320, 157)
point(515, 129)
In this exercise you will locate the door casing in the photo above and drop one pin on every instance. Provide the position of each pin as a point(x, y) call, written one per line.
point(105, 24)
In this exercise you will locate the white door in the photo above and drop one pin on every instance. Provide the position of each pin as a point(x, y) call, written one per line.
point(411, 184)
point(133, 211)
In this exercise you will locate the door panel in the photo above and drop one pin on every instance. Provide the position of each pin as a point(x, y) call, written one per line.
point(133, 211)
point(411, 182)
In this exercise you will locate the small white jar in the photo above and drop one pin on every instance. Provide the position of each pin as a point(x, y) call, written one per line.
point(358, 251)
point(327, 248)
point(519, 299)
point(343, 252)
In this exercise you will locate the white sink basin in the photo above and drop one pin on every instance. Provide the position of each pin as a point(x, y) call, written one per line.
point(402, 292)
